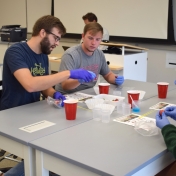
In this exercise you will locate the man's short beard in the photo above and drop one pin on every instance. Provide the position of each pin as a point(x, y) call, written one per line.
point(45, 46)
point(89, 50)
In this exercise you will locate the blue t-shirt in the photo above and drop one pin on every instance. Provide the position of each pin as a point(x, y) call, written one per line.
point(16, 57)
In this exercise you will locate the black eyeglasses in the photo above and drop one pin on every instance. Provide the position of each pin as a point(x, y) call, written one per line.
point(57, 38)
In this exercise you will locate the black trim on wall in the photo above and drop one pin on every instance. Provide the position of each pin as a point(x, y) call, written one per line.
point(52, 7)
point(170, 35)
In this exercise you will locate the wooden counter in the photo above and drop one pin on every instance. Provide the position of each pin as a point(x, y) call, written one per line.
point(57, 59)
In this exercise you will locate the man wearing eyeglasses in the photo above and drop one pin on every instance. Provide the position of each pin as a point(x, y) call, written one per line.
point(25, 71)
point(25, 68)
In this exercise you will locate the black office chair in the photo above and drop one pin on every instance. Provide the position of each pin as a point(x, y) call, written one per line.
point(0, 89)
point(2, 152)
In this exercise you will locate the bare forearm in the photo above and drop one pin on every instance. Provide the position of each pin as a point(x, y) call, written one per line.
point(70, 84)
point(45, 82)
point(48, 92)
point(39, 83)
point(110, 77)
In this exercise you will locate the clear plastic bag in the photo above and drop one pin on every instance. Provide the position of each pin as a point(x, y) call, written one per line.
point(146, 127)
point(55, 102)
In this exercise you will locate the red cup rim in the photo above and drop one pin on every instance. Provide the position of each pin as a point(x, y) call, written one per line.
point(71, 101)
point(163, 83)
point(104, 84)
point(133, 92)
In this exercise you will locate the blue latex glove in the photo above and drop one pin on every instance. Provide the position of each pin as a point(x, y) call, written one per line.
point(119, 80)
point(58, 95)
point(81, 74)
point(175, 82)
point(161, 120)
point(93, 77)
point(171, 111)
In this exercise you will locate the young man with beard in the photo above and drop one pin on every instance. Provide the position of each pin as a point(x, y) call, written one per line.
point(25, 71)
point(25, 67)
point(87, 56)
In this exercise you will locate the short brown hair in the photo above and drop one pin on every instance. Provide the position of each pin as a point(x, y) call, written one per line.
point(93, 27)
point(48, 22)
point(90, 17)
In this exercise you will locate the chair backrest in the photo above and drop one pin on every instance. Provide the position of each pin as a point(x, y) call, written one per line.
point(65, 47)
point(0, 89)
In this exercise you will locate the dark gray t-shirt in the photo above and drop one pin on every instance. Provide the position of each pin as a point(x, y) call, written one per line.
point(75, 58)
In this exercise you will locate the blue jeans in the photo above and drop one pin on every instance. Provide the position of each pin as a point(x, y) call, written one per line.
point(18, 170)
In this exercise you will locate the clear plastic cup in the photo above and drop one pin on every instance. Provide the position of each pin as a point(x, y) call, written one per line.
point(56, 103)
point(119, 107)
point(116, 92)
point(126, 108)
point(106, 116)
point(96, 114)
point(136, 105)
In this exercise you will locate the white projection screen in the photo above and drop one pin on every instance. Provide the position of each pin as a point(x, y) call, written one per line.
point(125, 18)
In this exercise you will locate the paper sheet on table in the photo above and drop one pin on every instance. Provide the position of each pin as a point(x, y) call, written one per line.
point(37, 126)
point(131, 119)
point(161, 105)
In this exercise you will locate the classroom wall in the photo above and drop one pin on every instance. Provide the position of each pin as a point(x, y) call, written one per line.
point(120, 17)
point(13, 12)
point(23, 12)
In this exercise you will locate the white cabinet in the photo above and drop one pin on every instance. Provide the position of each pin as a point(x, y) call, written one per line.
point(133, 60)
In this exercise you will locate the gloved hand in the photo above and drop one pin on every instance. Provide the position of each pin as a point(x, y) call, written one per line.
point(58, 95)
point(119, 80)
point(161, 120)
point(175, 82)
point(171, 111)
point(93, 77)
point(81, 74)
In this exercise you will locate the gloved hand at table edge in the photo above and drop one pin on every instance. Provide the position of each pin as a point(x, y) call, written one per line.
point(58, 95)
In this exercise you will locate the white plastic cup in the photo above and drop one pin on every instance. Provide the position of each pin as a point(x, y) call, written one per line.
point(96, 114)
point(106, 116)
point(119, 107)
point(116, 92)
point(126, 108)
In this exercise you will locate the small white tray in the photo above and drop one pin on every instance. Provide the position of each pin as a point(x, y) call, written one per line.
point(109, 99)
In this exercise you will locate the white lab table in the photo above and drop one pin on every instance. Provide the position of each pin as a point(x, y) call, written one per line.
point(16, 141)
point(94, 148)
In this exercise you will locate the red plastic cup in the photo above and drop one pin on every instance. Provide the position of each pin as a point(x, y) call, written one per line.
point(103, 88)
point(70, 109)
point(133, 94)
point(162, 89)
